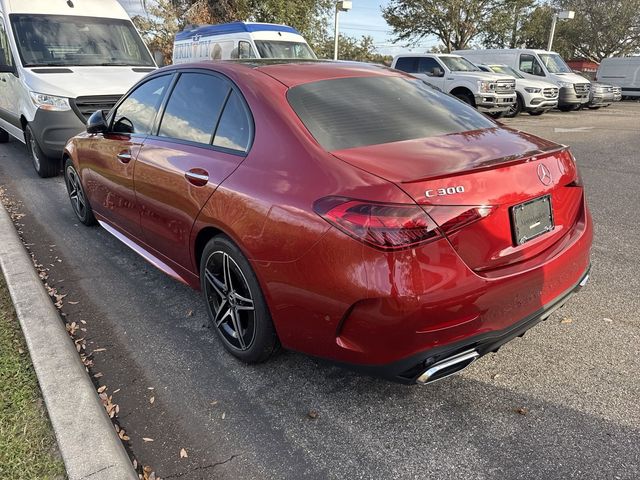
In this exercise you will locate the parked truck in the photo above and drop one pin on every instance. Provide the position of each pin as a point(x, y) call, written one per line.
point(488, 92)
point(539, 65)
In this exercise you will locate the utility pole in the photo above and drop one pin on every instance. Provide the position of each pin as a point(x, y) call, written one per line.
point(341, 6)
point(563, 15)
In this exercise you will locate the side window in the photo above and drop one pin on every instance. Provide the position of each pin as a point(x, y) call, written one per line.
point(234, 130)
point(427, 64)
point(194, 107)
point(407, 64)
point(529, 64)
point(245, 50)
point(6, 59)
point(136, 113)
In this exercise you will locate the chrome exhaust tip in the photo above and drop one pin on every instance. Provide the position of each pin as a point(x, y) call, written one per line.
point(448, 366)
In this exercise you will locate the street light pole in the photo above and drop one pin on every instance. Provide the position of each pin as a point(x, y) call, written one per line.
point(341, 6)
point(563, 15)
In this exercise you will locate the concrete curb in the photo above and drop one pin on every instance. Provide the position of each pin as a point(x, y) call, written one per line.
point(86, 438)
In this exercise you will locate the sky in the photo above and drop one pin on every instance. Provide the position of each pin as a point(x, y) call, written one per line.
point(365, 19)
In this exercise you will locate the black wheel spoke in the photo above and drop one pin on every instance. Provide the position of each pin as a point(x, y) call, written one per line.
point(219, 287)
point(230, 302)
point(237, 327)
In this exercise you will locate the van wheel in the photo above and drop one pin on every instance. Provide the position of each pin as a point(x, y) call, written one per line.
point(44, 166)
point(4, 136)
point(235, 303)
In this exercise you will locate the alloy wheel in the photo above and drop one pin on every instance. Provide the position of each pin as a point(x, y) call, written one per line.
point(76, 194)
point(230, 301)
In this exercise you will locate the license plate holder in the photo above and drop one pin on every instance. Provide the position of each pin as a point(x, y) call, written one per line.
point(531, 219)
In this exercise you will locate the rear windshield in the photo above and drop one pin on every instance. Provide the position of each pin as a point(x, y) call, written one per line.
point(355, 112)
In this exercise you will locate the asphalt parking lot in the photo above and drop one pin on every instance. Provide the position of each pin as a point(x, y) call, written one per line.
point(562, 402)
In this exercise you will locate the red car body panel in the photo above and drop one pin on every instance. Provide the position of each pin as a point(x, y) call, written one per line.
point(331, 295)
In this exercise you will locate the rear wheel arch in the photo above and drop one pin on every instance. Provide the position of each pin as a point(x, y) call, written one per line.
point(202, 238)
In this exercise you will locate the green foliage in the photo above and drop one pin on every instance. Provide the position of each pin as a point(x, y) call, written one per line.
point(505, 27)
point(350, 48)
point(601, 28)
point(456, 22)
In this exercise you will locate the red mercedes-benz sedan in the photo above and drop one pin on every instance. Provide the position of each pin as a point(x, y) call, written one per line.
point(344, 210)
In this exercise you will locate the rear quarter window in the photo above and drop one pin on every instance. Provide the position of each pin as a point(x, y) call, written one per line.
point(354, 112)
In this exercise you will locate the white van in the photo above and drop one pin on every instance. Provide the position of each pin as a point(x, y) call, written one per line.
point(240, 40)
point(538, 65)
point(59, 62)
point(623, 72)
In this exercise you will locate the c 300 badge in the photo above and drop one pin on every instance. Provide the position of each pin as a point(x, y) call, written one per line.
point(442, 192)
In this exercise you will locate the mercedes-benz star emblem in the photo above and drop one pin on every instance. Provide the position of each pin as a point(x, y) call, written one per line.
point(544, 174)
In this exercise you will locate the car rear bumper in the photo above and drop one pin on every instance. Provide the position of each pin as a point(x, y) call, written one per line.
point(389, 313)
point(415, 368)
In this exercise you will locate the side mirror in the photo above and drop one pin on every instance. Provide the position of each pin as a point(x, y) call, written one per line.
point(437, 72)
point(97, 123)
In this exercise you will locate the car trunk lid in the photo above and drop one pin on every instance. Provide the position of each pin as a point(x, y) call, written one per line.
point(471, 182)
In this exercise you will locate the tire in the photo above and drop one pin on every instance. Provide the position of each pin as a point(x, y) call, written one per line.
point(568, 108)
point(44, 166)
point(79, 201)
point(466, 98)
point(594, 108)
point(4, 136)
point(496, 115)
point(515, 110)
point(536, 113)
point(235, 302)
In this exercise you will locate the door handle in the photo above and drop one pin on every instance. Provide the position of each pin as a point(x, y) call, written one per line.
point(197, 177)
point(124, 157)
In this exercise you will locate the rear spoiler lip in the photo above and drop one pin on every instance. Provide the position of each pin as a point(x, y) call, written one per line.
point(529, 156)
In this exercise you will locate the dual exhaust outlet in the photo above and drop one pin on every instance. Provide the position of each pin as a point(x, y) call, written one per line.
point(448, 366)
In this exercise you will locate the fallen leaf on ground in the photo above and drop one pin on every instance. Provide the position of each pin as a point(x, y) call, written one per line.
point(116, 391)
point(566, 320)
point(98, 375)
point(151, 400)
point(73, 303)
point(190, 313)
point(313, 414)
point(608, 320)
point(522, 411)
point(147, 439)
point(102, 389)
point(224, 414)
point(183, 453)
point(100, 350)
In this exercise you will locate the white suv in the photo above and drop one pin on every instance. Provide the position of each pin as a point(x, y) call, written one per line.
point(533, 96)
point(488, 92)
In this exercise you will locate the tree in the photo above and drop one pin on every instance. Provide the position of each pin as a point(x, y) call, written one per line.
point(456, 22)
point(350, 48)
point(504, 29)
point(601, 28)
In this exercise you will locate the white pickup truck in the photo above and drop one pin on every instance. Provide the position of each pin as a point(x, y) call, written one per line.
point(488, 92)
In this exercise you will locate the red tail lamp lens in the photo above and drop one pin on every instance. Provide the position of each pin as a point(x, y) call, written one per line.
point(381, 225)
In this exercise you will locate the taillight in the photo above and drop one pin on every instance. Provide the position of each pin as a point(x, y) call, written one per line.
point(387, 226)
